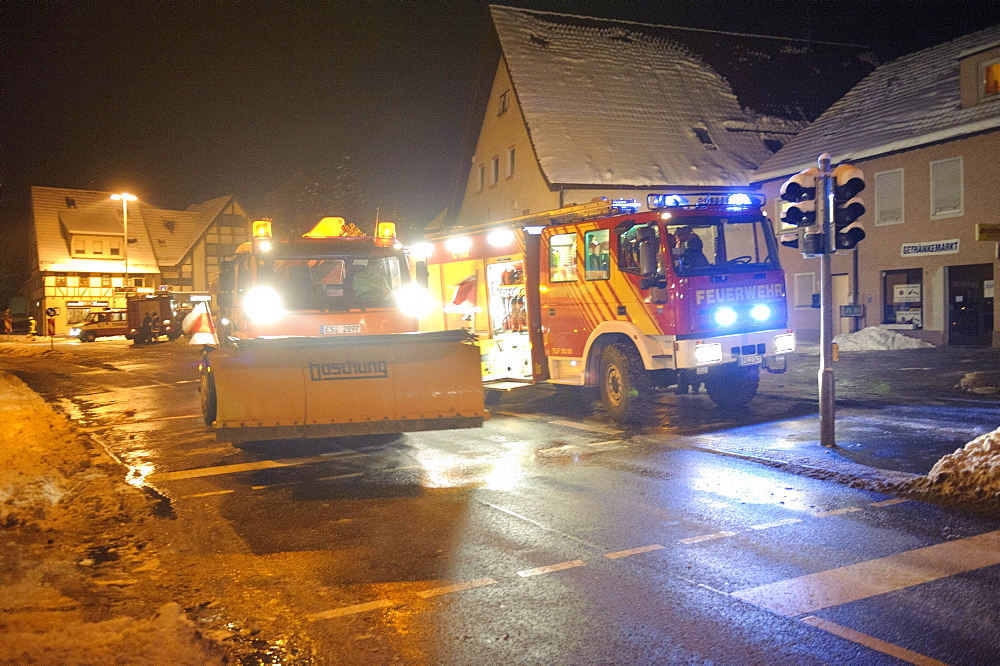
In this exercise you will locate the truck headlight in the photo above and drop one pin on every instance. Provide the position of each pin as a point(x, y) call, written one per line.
point(413, 300)
point(784, 343)
point(760, 312)
point(263, 305)
point(725, 316)
point(708, 353)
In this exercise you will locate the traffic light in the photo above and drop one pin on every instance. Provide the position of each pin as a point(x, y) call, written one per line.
point(847, 206)
point(800, 191)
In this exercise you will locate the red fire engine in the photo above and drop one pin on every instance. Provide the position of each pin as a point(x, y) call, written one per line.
point(603, 296)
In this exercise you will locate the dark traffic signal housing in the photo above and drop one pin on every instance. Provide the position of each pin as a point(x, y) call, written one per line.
point(848, 181)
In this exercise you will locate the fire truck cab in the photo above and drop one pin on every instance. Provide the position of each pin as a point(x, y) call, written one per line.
point(604, 296)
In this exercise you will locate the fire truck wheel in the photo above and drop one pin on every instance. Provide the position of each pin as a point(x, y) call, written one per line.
point(209, 402)
point(624, 383)
point(730, 386)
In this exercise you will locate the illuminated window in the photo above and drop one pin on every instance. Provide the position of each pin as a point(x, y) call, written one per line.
point(598, 254)
point(991, 78)
point(562, 258)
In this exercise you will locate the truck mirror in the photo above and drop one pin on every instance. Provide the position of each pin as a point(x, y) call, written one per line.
point(421, 273)
point(227, 276)
point(647, 251)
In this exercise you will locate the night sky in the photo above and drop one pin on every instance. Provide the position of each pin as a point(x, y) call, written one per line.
point(179, 102)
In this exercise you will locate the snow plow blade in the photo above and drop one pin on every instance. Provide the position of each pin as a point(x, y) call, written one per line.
point(302, 387)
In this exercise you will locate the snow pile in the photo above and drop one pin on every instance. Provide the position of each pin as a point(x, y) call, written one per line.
point(168, 638)
point(971, 472)
point(875, 338)
point(58, 489)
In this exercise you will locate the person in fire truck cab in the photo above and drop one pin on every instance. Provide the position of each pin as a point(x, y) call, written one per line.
point(370, 283)
point(692, 245)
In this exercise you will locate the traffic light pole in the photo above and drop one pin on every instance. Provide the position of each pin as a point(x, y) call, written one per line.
point(824, 215)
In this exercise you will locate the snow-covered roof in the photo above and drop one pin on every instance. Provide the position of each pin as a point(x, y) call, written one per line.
point(159, 237)
point(910, 102)
point(620, 103)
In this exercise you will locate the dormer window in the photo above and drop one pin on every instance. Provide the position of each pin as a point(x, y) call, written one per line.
point(990, 79)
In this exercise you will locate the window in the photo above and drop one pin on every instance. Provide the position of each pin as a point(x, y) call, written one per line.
point(946, 188)
point(704, 137)
point(79, 247)
point(480, 178)
point(773, 145)
point(990, 78)
point(598, 254)
point(562, 258)
point(902, 297)
point(805, 287)
point(510, 161)
point(61, 280)
point(889, 197)
point(504, 103)
point(495, 170)
point(97, 247)
point(628, 245)
point(105, 280)
point(114, 247)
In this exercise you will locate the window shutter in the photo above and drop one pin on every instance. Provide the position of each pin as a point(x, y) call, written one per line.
point(946, 188)
point(889, 197)
point(805, 287)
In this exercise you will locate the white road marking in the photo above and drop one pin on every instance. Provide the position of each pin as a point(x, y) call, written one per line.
point(240, 467)
point(458, 587)
point(551, 568)
point(556, 449)
point(607, 443)
point(633, 551)
point(214, 492)
point(340, 476)
point(807, 594)
point(889, 502)
point(707, 537)
point(208, 449)
point(400, 469)
point(836, 512)
point(587, 426)
point(351, 610)
point(777, 523)
point(871, 642)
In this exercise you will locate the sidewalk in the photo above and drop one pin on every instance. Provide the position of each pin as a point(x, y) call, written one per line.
point(897, 413)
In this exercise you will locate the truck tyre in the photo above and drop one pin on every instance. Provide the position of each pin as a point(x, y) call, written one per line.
point(624, 383)
point(209, 402)
point(731, 386)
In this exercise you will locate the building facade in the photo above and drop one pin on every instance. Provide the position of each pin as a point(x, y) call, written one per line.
point(925, 129)
point(87, 255)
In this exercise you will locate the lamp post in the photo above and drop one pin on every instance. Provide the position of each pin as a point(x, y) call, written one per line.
point(125, 197)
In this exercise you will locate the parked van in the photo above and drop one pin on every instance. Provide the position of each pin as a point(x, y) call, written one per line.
point(101, 324)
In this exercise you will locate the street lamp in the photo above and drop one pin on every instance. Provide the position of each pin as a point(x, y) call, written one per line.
point(125, 197)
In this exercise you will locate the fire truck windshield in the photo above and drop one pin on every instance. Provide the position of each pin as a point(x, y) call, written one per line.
point(706, 245)
point(335, 283)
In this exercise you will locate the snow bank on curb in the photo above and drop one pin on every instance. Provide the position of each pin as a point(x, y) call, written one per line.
point(168, 638)
point(972, 472)
point(875, 338)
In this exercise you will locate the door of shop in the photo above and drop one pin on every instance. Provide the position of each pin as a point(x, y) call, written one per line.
point(970, 305)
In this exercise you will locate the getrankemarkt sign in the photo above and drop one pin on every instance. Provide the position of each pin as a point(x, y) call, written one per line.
point(932, 247)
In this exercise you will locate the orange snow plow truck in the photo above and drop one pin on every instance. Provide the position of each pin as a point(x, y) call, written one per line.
point(316, 337)
point(607, 297)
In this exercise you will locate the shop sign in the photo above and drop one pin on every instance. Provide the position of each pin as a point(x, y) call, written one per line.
point(932, 247)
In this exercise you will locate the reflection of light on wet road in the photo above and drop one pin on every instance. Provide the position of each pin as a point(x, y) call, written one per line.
point(137, 474)
point(748, 488)
point(504, 472)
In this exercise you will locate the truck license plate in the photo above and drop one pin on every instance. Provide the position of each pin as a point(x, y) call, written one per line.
point(336, 329)
point(752, 359)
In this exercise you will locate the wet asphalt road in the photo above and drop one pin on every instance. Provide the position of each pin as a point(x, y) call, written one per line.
point(550, 536)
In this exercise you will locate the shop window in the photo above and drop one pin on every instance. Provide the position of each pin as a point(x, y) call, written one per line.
point(562, 258)
point(902, 297)
point(889, 197)
point(598, 257)
point(946, 188)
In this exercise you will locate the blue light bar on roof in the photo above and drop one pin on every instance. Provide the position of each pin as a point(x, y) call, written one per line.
point(654, 201)
point(624, 205)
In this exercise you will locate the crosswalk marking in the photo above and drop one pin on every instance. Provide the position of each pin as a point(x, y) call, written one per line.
point(457, 587)
point(807, 594)
point(351, 610)
point(551, 568)
point(871, 642)
point(633, 551)
point(707, 537)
